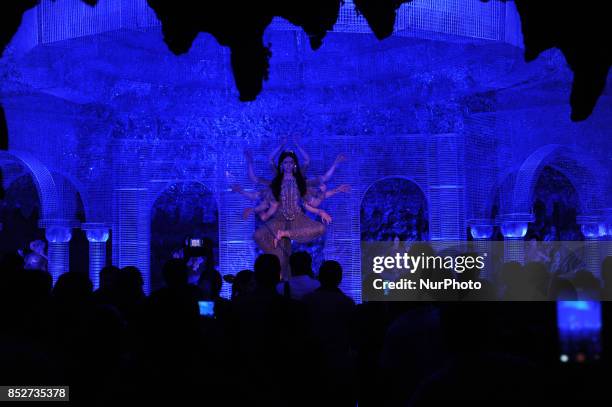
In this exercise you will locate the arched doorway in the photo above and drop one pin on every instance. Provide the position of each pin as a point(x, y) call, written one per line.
point(583, 170)
point(32, 197)
point(394, 207)
point(555, 206)
point(19, 215)
point(58, 199)
point(182, 210)
point(558, 184)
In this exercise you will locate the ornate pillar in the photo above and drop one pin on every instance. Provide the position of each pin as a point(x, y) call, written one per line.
point(131, 231)
point(606, 232)
point(58, 233)
point(446, 185)
point(592, 229)
point(131, 240)
point(97, 236)
point(514, 228)
point(481, 231)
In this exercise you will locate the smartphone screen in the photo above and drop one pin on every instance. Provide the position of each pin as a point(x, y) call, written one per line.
point(579, 325)
point(207, 308)
point(195, 243)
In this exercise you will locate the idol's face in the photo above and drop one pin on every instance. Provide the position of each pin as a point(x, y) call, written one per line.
point(288, 165)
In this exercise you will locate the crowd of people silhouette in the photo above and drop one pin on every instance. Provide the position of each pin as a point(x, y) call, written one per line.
point(301, 342)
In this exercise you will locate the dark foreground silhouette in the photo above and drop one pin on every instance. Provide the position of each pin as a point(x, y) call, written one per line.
point(115, 345)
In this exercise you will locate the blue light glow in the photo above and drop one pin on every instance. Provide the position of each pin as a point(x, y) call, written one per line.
point(514, 229)
point(579, 316)
point(445, 111)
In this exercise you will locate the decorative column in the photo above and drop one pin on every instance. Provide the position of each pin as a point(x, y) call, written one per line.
point(58, 233)
point(606, 232)
point(131, 231)
point(482, 231)
point(592, 229)
point(131, 240)
point(445, 183)
point(97, 236)
point(514, 228)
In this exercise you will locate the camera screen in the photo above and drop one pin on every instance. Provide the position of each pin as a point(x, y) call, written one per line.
point(579, 324)
point(207, 308)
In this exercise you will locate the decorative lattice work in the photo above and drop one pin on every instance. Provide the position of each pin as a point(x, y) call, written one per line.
point(131, 215)
point(59, 259)
point(342, 238)
point(462, 18)
point(481, 145)
point(62, 20)
point(236, 245)
point(97, 261)
point(581, 169)
point(72, 205)
point(446, 184)
point(43, 180)
point(514, 250)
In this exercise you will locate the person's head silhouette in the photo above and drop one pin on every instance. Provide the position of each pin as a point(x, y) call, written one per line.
point(267, 271)
point(301, 264)
point(330, 274)
point(175, 273)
